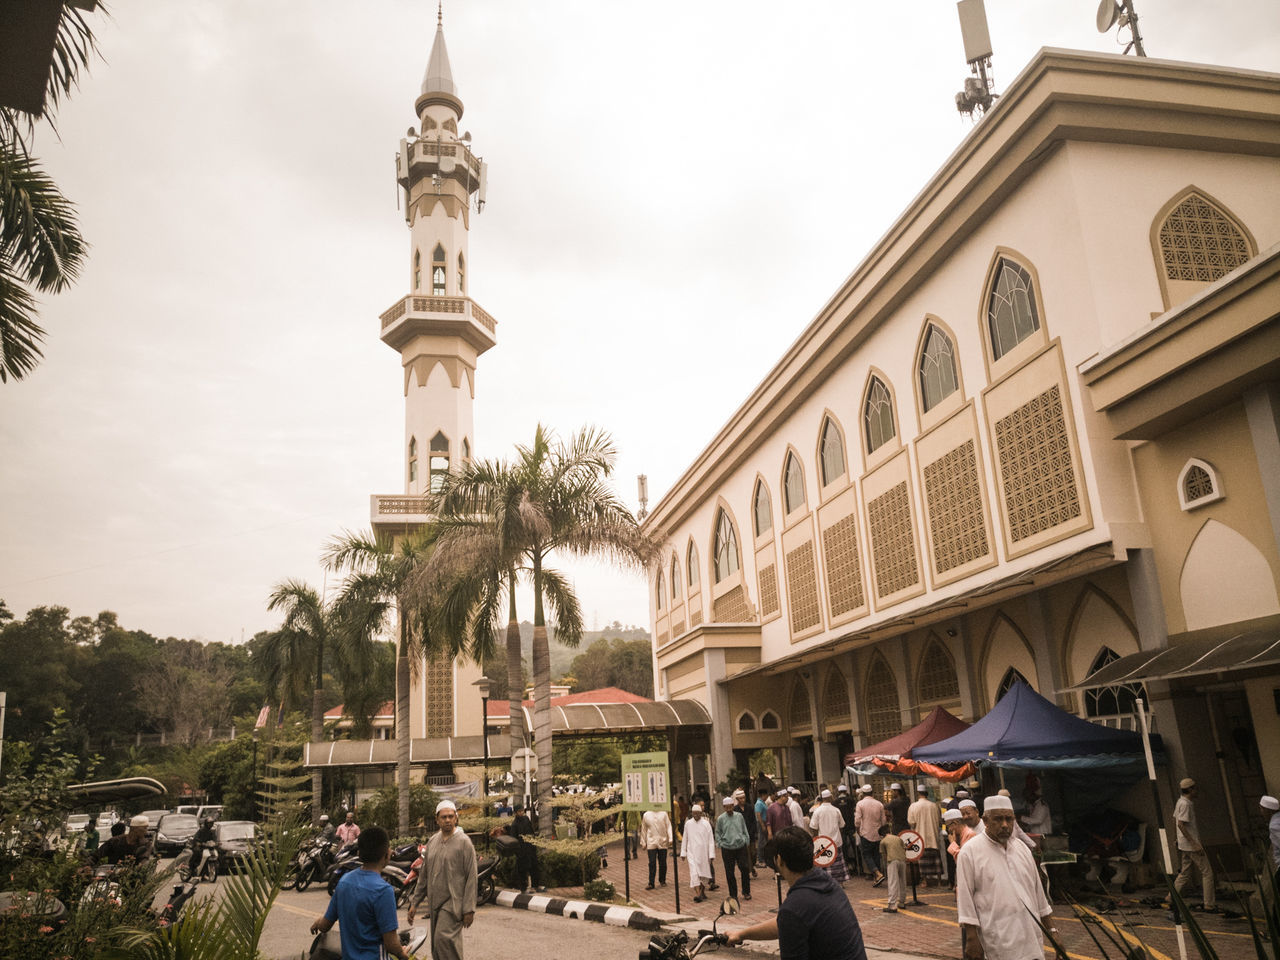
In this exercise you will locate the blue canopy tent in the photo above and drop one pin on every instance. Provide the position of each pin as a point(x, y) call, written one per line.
point(1026, 730)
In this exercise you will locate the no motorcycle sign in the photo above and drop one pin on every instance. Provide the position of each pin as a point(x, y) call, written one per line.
point(914, 844)
point(824, 851)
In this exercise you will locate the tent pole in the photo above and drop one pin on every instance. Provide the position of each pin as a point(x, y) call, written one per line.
point(1164, 834)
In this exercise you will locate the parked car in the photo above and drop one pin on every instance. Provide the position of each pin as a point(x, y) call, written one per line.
point(235, 840)
point(190, 808)
point(173, 832)
point(209, 810)
point(106, 820)
point(153, 820)
point(75, 824)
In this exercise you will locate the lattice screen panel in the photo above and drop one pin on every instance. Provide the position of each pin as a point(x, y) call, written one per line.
point(1197, 484)
point(439, 697)
point(801, 719)
point(883, 717)
point(844, 567)
point(663, 637)
point(768, 590)
point(732, 607)
point(956, 521)
point(1200, 243)
point(1035, 461)
point(893, 545)
point(678, 628)
point(835, 697)
point(695, 618)
point(802, 588)
point(938, 679)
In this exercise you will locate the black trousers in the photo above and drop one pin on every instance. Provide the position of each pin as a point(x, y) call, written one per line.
point(736, 858)
point(527, 871)
point(658, 864)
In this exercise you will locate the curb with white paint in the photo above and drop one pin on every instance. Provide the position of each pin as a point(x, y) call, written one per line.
point(579, 910)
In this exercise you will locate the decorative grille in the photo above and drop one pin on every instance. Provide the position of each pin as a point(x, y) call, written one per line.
point(1197, 484)
point(768, 591)
point(1035, 459)
point(439, 697)
point(1011, 676)
point(844, 569)
point(695, 618)
point(678, 628)
point(802, 588)
point(1119, 699)
point(893, 546)
point(769, 721)
point(883, 717)
point(835, 697)
point(938, 681)
point(663, 637)
point(800, 716)
point(732, 607)
point(955, 508)
point(1199, 242)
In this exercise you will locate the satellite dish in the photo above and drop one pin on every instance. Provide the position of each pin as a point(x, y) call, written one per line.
point(447, 164)
point(467, 136)
point(1108, 13)
point(411, 133)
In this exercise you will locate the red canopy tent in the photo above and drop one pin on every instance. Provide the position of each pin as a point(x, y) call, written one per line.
point(894, 755)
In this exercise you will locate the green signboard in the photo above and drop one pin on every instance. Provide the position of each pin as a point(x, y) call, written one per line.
point(645, 782)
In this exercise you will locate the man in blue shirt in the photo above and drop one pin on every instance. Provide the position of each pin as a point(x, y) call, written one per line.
point(364, 905)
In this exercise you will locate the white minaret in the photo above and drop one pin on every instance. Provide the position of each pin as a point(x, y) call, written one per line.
point(439, 332)
point(438, 329)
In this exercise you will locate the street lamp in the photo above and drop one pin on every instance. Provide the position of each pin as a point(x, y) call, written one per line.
point(483, 685)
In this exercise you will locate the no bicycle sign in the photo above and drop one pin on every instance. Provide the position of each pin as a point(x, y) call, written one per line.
point(824, 851)
point(914, 844)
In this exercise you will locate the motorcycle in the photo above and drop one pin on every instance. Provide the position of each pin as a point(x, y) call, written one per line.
point(199, 860)
point(396, 872)
point(675, 946)
point(311, 863)
point(327, 945)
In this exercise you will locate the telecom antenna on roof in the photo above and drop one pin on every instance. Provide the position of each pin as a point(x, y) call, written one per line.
point(642, 488)
point(976, 98)
point(1110, 13)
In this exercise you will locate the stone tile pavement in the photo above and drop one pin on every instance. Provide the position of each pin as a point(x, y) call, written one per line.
point(928, 928)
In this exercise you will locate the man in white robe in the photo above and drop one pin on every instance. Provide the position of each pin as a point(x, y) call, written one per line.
point(698, 849)
point(998, 892)
point(797, 812)
point(447, 883)
point(925, 818)
point(826, 820)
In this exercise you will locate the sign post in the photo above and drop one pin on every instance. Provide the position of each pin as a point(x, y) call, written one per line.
point(915, 850)
point(525, 762)
point(646, 780)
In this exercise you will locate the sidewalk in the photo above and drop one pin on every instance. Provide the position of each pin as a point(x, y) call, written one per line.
point(926, 929)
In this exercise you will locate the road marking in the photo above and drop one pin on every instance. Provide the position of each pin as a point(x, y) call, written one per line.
point(284, 906)
point(1128, 937)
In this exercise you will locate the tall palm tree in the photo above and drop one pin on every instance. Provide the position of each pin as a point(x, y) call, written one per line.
point(379, 572)
point(509, 518)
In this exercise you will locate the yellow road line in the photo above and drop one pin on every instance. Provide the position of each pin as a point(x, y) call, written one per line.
point(284, 906)
point(1128, 937)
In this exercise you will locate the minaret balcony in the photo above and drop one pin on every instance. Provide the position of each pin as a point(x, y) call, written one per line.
point(438, 316)
point(397, 514)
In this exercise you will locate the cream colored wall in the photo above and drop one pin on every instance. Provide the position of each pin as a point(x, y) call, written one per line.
point(436, 405)
point(425, 233)
point(1223, 440)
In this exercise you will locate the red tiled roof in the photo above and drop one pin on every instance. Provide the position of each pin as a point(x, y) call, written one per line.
point(502, 708)
point(387, 710)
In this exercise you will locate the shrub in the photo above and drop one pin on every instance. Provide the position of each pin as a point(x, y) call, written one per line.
point(381, 809)
point(599, 890)
point(563, 863)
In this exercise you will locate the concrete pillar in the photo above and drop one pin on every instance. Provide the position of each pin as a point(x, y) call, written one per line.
point(1148, 603)
point(721, 757)
point(958, 642)
point(896, 653)
point(849, 666)
point(1044, 645)
point(1262, 408)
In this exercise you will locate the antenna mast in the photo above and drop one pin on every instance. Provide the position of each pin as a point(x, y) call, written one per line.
point(642, 488)
point(1110, 13)
point(977, 96)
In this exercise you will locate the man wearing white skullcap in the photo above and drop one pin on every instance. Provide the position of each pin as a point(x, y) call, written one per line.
point(925, 818)
point(1190, 849)
point(447, 883)
point(998, 892)
point(868, 815)
point(733, 838)
point(698, 848)
point(797, 812)
point(825, 820)
point(1271, 809)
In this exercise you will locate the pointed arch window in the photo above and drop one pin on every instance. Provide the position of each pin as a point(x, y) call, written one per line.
point(746, 722)
point(675, 579)
point(726, 547)
point(792, 484)
point(438, 271)
point(762, 509)
point(800, 717)
point(1116, 700)
point(883, 717)
point(831, 452)
point(466, 450)
point(1201, 243)
point(439, 462)
point(462, 274)
point(413, 459)
point(877, 415)
point(769, 721)
point(659, 592)
point(938, 379)
point(1011, 309)
point(938, 682)
point(1198, 485)
point(1011, 676)
point(691, 565)
point(417, 271)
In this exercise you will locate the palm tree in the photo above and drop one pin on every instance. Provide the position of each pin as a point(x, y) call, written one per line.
point(40, 243)
point(378, 576)
point(502, 522)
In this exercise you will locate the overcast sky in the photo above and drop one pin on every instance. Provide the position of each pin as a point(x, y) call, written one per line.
point(674, 191)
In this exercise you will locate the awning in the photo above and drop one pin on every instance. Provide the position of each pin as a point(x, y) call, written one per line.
point(1191, 659)
point(116, 791)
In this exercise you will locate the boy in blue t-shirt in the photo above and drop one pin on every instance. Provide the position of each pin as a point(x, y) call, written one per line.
point(364, 905)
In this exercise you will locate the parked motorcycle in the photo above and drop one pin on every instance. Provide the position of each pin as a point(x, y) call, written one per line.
point(327, 946)
point(675, 946)
point(311, 863)
point(396, 872)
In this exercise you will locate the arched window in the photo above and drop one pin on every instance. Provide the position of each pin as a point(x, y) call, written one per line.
point(801, 718)
point(462, 275)
point(417, 271)
point(792, 484)
point(877, 415)
point(1011, 676)
point(413, 459)
point(691, 565)
point(883, 717)
point(762, 510)
point(835, 697)
point(1117, 699)
point(1201, 243)
point(769, 721)
point(451, 126)
point(938, 682)
point(439, 463)
point(937, 370)
point(437, 271)
point(659, 593)
point(1011, 308)
point(1198, 485)
point(675, 579)
point(831, 452)
point(746, 722)
point(466, 450)
point(726, 548)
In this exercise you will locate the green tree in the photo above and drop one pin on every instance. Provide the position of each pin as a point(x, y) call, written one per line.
point(39, 685)
point(511, 519)
point(626, 664)
point(41, 249)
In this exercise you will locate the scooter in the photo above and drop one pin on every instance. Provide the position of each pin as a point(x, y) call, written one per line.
point(395, 872)
point(675, 946)
point(327, 946)
point(198, 862)
point(311, 863)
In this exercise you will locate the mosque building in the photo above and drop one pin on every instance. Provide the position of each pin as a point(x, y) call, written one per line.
point(1033, 435)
